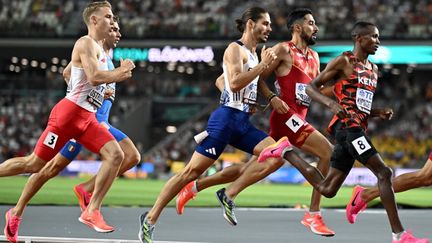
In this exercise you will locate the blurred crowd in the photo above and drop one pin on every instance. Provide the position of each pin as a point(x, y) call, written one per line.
point(404, 141)
point(214, 19)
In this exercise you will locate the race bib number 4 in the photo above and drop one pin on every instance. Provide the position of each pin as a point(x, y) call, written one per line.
point(301, 96)
point(295, 123)
point(51, 140)
point(361, 145)
point(364, 100)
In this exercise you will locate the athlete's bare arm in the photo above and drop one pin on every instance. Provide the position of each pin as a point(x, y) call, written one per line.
point(235, 57)
point(220, 83)
point(67, 73)
point(336, 69)
point(84, 55)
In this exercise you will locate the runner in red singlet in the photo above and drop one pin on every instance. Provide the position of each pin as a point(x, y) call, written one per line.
point(356, 80)
point(296, 65)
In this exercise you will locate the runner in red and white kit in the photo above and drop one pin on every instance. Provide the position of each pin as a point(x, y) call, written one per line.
point(74, 116)
point(295, 67)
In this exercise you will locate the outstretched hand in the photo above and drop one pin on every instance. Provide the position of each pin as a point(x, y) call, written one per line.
point(386, 114)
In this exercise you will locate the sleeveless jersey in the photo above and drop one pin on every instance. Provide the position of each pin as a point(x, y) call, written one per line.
point(245, 99)
point(356, 94)
point(293, 85)
point(81, 92)
point(111, 86)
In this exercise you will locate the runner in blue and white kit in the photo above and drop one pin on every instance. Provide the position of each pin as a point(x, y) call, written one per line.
point(228, 124)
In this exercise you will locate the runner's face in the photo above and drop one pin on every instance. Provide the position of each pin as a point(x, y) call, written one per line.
point(262, 28)
point(369, 41)
point(104, 20)
point(309, 30)
point(114, 36)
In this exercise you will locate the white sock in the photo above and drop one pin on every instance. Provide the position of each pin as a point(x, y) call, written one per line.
point(194, 188)
point(397, 236)
point(313, 213)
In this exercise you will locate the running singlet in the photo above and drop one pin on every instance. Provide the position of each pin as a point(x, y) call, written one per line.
point(356, 94)
point(81, 92)
point(293, 86)
point(102, 113)
point(245, 99)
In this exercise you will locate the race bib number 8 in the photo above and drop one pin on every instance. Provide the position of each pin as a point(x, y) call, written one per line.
point(361, 145)
point(51, 140)
point(295, 123)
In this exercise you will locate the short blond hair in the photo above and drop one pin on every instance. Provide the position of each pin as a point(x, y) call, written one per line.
point(93, 7)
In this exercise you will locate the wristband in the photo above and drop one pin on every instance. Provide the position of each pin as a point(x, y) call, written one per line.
point(271, 96)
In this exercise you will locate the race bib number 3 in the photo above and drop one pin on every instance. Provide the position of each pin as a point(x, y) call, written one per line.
point(364, 100)
point(361, 145)
point(51, 140)
point(295, 123)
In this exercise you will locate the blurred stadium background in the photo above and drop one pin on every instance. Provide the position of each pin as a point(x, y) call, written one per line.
point(178, 47)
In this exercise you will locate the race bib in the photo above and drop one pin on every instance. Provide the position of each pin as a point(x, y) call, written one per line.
point(364, 100)
point(301, 97)
point(96, 96)
point(361, 145)
point(295, 123)
point(112, 87)
point(51, 140)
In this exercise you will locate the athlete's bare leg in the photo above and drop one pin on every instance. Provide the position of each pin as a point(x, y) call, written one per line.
point(317, 145)
point(255, 171)
point(112, 157)
point(131, 158)
point(404, 182)
point(196, 166)
point(37, 180)
point(20, 165)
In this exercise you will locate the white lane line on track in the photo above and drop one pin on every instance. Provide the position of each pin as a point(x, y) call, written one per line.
point(39, 239)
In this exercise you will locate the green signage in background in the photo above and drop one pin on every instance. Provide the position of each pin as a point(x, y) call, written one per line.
point(385, 54)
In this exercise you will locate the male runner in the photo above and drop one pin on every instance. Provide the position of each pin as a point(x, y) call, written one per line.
point(296, 65)
point(228, 124)
point(71, 150)
point(356, 81)
point(361, 196)
point(73, 116)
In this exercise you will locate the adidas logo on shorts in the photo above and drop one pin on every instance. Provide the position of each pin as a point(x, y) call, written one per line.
point(211, 151)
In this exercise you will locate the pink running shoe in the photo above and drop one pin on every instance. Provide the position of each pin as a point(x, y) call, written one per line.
point(12, 226)
point(356, 205)
point(96, 221)
point(83, 196)
point(275, 150)
point(184, 196)
point(407, 237)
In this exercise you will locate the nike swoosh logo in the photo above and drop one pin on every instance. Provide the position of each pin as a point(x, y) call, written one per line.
point(273, 150)
point(353, 201)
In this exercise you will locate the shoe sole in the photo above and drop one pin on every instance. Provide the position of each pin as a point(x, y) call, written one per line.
point(94, 226)
point(223, 212)
point(307, 225)
point(141, 222)
point(80, 200)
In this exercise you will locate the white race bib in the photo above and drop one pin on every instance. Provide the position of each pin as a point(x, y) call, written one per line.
point(361, 145)
point(364, 100)
point(51, 140)
point(96, 96)
point(301, 96)
point(295, 123)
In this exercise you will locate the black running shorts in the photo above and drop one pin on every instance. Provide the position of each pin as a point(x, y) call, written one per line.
point(351, 144)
